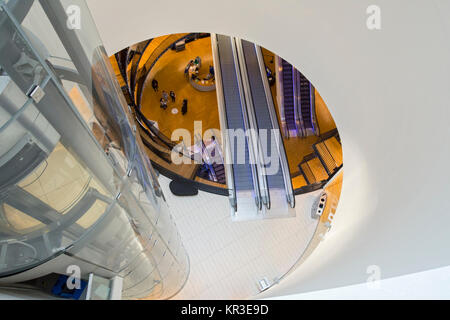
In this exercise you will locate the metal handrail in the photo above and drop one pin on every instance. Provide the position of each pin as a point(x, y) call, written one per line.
point(143, 73)
point(273, 117)
point(249, 124)
point(298, 125)
point(223, 123)
point(280, 95)
point(298, 100)
point(312, 92)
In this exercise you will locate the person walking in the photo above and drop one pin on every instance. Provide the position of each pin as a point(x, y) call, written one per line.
point(155, 85)
point(172, 96)
point(184, 108)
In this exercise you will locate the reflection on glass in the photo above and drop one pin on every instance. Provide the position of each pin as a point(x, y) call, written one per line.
point(73, 179)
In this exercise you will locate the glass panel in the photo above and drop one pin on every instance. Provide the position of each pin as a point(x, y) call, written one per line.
point(82, 71)
point(59, 198)
point(99, 288)
point(59, 181)
point(72, 174)
point(19, 221)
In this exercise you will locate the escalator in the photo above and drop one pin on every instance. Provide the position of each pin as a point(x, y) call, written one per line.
point(298, 102)
point(306, 103)
point(289, 105)
point(258, 180)
point(274, 161)
point(245, 196)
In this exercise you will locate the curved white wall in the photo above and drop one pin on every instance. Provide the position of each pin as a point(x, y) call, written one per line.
point(388, 91)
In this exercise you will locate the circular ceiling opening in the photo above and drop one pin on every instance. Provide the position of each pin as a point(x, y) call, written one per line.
point(248, 130)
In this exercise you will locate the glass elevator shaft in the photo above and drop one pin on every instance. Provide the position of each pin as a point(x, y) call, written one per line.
point(75, 187)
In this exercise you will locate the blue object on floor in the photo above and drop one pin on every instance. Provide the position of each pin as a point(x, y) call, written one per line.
point(60, 289)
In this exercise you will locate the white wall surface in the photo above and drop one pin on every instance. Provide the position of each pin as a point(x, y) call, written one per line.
point(420, 285)
point(388, 91)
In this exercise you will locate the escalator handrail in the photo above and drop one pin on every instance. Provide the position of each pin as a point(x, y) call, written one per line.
point(298, 98)
point(298, 126)
point(273, 117)
point(279, 70)
point(249, 113)
point(223, 122)
point(249, 124)
point(312, 92)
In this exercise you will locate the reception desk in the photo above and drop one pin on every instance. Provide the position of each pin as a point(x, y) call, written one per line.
point(198, 82)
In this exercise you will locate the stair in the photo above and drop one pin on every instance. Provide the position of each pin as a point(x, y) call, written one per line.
point(334, 146)
point(307, 173)
point(325, 157)
point(219, 169)
point(305, 169)
point(299, 181)
point(325, 161)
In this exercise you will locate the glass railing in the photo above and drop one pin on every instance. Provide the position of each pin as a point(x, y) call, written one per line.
point(147, 62)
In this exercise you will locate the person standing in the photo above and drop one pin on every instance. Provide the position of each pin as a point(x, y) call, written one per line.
point(172, 95)
point(155, 85)
point(165, 96)
point(210, 74)
point(184, 107)
point(198, 62)
point(163, 103)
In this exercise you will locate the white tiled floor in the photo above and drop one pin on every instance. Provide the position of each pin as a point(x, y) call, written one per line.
point(227, 258)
